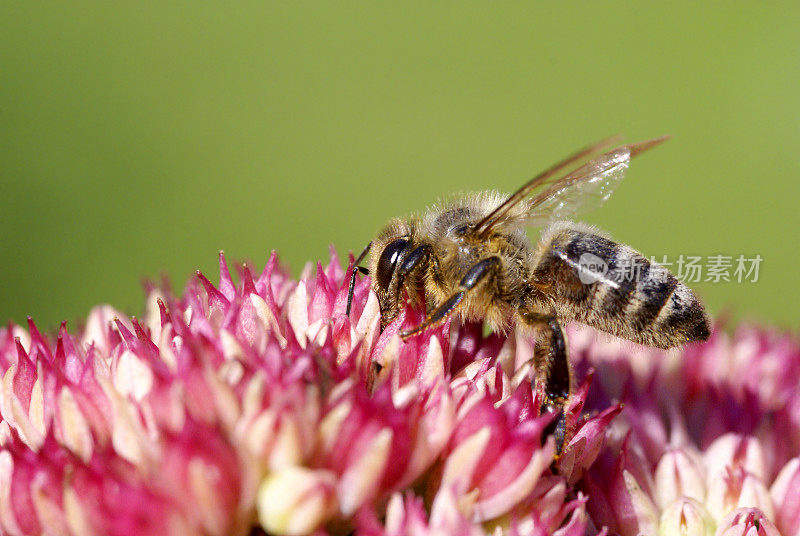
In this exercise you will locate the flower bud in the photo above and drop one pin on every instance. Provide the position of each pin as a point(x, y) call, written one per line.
point(737, 489)
point(685, 517)
point(677, 475)
point(296, 500)
point(747, 522)
point(786, 498)
point(634, 508)
point(734, 450)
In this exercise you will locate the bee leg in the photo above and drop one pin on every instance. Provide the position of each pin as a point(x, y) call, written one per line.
point(413, 262)
point(416, 259)
point(478, 273)
point(552, 368)
point(356, 268)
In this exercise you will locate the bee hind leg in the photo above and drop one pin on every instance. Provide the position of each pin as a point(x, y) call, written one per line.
point(480, 272)
point(552, 370)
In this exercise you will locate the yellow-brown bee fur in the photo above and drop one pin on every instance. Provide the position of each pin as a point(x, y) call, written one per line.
point(455, 254)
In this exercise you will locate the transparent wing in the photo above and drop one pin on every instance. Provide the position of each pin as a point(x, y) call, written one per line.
point(583, 190)
point(580, 190)
point(537, 183)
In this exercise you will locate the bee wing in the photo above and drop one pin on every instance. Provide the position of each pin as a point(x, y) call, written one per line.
point(587, 187)
point(537, 183)
point(580, 190)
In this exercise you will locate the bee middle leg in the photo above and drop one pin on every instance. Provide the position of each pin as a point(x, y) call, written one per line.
point(552, 368)
point(482, 271)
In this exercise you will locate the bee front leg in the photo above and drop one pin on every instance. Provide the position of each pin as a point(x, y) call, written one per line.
point(414, 263)
point(482, 271)
point(552, 368)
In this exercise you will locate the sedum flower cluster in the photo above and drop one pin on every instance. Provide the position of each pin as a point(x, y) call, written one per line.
point(708, 441)
point(258, 406)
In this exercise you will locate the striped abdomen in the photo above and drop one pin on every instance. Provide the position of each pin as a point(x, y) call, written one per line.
point(613, 288)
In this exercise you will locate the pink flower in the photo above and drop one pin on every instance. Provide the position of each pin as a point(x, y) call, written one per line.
point(703, 435)
point(259, 403)
point(747, 522)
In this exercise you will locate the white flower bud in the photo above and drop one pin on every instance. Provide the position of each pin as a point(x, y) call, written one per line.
point(296, 500)
point(686, 517)
point(677, 475)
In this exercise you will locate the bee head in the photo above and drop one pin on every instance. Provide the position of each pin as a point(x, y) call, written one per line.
point(387, 254)
point(389, 260)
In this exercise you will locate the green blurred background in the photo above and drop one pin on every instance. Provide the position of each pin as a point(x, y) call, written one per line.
point(140, 138)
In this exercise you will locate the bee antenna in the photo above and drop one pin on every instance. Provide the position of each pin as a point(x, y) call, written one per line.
point(356, 268)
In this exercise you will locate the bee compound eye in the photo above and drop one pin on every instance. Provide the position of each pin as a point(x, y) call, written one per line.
point(387, 263)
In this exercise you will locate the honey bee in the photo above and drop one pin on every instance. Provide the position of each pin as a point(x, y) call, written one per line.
point(472, 259)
